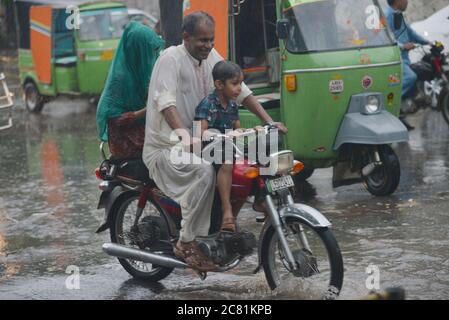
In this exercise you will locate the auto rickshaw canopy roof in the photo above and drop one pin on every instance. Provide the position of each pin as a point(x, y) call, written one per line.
point(82, 4)
point(293, 3)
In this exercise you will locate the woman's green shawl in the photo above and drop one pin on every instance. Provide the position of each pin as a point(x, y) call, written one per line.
point(127, 84)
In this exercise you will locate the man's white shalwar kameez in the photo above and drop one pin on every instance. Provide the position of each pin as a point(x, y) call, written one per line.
point(180, 80)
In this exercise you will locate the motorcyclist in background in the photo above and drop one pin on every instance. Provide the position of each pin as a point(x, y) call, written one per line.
point(406, 38)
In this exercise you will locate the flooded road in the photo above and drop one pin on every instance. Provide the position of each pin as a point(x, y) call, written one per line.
point(48, 218)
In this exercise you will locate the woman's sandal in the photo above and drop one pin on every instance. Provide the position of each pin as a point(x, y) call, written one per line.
point(228, 224)
point(192, 255)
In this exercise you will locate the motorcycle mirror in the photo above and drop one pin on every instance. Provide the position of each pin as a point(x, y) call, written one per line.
point(282, 27)
point(398, 17)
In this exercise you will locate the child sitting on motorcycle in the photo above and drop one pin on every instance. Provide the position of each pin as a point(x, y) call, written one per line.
point(219, 112)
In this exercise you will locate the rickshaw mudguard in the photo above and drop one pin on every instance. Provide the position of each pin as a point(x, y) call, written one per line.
point(374, 129)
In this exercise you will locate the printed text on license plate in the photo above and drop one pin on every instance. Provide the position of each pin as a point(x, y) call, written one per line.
point(336, 86)
point(281, 183)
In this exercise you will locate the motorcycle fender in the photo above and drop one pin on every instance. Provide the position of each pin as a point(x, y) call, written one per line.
point(306, 214)
point(107, 201)
point(103, 197)
point(302, 212)
point(375, 129)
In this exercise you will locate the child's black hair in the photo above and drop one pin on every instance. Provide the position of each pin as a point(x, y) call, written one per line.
point(391, 2)
point(225, 70)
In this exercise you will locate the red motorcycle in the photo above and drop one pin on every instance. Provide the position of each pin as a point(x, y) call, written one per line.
point(295, 242)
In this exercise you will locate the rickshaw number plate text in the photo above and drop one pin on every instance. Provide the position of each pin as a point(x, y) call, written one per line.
point(280, 184)
point(336, 86)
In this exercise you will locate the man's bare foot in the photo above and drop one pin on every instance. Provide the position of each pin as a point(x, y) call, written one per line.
point(192, 255)
point(228, 224)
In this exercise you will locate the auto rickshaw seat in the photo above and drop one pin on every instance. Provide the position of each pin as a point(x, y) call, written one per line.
point(67, 62)
point(270, 101)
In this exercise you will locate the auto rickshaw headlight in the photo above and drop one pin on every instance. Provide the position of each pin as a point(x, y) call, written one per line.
point(372, 105)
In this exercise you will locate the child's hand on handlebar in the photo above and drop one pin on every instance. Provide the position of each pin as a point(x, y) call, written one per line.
point(281, 127)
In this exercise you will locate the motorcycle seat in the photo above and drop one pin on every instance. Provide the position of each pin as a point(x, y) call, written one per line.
point(134, 169)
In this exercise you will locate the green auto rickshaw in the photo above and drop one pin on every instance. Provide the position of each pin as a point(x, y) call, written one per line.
point(330, 70)
point(57, 55)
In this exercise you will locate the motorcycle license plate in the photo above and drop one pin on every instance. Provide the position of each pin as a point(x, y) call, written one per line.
point(280, 184)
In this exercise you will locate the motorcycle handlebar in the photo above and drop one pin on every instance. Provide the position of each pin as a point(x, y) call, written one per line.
point(103, 154)
point(218, 138)
point(249, 132)
point(435, 44)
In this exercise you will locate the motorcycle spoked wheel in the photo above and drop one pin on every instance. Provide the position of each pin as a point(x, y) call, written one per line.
point(121, 233)
point(384, 180)
point(321, 273)
point(432, 90)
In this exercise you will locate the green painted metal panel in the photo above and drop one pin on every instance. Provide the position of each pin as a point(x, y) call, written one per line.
point(66, 79)
point(100, 5)
point(314, 114)
point(26, 71)
point(248, 120)
point(94, 67)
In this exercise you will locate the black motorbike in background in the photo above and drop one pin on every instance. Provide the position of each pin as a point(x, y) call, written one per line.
point(432, 87)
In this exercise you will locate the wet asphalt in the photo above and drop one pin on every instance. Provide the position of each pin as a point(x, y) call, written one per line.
point(48, 218)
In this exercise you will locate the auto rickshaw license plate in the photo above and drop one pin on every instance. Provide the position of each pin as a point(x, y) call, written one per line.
point(280, 184)
point(107, 55)
point(336, 86)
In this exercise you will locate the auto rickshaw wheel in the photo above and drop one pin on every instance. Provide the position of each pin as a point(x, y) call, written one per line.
point(384, 180)
point(34, 101)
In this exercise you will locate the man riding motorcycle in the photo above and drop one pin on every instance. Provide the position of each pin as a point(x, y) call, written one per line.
point(182, 77)
point(406, 38)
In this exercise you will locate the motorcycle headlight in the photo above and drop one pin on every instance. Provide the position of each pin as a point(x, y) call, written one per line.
point(281, 162)
point(372, 105)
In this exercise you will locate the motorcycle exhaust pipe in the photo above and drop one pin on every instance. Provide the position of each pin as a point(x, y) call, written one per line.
point(121, 251)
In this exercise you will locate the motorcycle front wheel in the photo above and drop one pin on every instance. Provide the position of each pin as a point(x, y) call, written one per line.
point(316, 252)
point(150, 225)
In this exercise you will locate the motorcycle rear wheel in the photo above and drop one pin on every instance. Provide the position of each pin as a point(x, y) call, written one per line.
point(123, 220)
point(321, 272)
